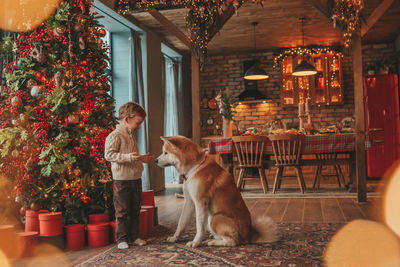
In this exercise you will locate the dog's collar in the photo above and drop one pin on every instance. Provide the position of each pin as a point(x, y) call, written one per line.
point(194, 167)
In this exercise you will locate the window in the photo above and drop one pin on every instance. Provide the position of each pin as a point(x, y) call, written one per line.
point(324, 88)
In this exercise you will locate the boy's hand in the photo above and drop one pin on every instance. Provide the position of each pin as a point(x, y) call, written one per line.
point(148, 158)
point(135, 156)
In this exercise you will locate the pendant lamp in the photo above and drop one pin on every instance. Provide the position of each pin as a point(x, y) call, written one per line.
point(255, 72)
point(304, 68)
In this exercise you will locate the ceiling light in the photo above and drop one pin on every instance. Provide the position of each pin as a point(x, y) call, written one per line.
point(304, 68)
point(255, 72)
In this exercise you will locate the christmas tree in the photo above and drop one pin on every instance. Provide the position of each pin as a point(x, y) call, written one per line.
point(55, 114)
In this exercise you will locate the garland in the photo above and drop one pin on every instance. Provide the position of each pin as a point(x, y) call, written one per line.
point(347, 12)
point(305, 51)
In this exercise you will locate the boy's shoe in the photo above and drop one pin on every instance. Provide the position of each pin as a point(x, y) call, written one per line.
point(139, 242)
point(123, 245)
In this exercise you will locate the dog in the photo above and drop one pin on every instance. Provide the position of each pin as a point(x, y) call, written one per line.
point(210, 191)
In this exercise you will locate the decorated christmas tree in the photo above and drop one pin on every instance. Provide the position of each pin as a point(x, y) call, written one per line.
point(55, 114)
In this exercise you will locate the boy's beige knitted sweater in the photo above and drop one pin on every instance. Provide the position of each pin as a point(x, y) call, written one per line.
point(118, 148)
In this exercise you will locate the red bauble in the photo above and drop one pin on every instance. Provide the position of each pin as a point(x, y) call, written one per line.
point(39, 75)
point(64, 64)
point(83, 62)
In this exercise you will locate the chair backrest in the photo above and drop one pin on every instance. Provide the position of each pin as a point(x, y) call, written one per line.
point(250, 149)
point(287, 148)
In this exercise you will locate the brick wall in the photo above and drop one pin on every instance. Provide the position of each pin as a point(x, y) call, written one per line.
point(226, 72)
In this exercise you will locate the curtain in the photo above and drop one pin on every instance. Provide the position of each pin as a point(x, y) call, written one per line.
point(138, 94)
point(171, 108)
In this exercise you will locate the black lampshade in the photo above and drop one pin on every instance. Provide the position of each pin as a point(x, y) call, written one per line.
point(255, 73)
point(304, 69)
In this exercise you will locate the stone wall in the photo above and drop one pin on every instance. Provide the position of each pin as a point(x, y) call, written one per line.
point(226, 72)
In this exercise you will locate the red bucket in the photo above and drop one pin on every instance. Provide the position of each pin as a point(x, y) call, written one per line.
point(98, 234)
point(26, 243)
point(50, 224)
point(75, 236)
point(98, 218)
point(32, 220)
point(150, 218)
point(113, 225)
point(148, 198)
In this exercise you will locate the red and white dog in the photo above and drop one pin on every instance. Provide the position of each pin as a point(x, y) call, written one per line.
point(210, 191)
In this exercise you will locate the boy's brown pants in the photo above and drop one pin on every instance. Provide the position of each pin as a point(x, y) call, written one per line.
point(127, 203)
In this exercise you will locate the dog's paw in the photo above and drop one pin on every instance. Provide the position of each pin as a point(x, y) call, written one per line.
point(172, 239)
point(192, 244)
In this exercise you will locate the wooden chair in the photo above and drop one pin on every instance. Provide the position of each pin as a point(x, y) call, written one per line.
point(287, 152)
point(326, 159)
point(249, 151)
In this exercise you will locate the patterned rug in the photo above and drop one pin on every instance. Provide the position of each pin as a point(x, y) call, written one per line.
point(300, 244)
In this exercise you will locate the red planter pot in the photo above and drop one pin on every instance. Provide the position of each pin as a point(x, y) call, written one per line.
point(143, 228)
point(98, 234)
point(75, 236)
point(50, 224)
point(98, 218)
point(150, 217)
point(26, 243)
point(148, 198)
point(32, 220)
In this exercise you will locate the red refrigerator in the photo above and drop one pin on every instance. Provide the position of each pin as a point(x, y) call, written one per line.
point(382, 122)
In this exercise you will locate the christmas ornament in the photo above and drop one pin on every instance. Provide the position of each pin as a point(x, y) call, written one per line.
point(64, 64)
point(21, 64)
point(30, 83)
point(73, 118)
point(60, 30)
point(58, 79)
point(22, 211)
point(81, 43)
point(35, 206)
point(92, 74)
point(35, 91)
point(23, 117)
point(102, 32)
point(15, 153)
point(16, 101)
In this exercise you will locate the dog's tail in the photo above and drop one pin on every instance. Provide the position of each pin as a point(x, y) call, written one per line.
point(264, 230)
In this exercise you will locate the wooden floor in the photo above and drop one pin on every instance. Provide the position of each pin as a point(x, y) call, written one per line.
point(286, 209)
point(281, 209)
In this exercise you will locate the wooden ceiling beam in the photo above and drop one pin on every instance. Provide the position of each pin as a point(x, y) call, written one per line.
point(171, 27)
point(375, 15)
point(225, 16)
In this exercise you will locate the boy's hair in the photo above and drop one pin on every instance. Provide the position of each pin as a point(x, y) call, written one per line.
point(131, 109)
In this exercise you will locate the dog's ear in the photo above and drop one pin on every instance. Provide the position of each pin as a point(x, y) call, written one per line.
point(170, 140)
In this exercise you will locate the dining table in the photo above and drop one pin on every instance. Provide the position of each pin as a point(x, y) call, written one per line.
point(339, 143)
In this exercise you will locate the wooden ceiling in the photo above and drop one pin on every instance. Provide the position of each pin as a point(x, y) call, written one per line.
point(279, 25)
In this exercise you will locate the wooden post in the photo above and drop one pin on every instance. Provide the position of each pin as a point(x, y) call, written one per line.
point(195, 99)
point(360, 125)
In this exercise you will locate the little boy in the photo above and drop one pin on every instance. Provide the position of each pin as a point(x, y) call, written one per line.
point(126, 166)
